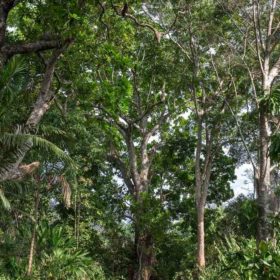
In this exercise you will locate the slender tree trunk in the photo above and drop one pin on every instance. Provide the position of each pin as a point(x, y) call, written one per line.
point(264, 175)
point(5, 7)
point(268, 74)
point(200, 237)
point(31, 251)
point(199, 202)
point(33, 238)
point(77, 218)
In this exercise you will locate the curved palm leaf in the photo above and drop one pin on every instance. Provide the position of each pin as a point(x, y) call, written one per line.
point(11, 140)
point(12, 81)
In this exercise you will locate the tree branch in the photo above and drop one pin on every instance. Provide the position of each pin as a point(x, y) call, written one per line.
point(132, 159)
point(42, 104)
point(23, 48)
point(121, 166)
point(257, 37)
point(121, 126)
point(274, 71)
point(135, 20)
point(241, 135)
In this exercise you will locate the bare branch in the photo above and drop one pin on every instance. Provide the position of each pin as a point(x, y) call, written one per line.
point(124, 170)
point(101, 18)
point(157, 33)
point(271, 17)
point(253, 85)
point(132, 159)
point(172, 24)
point(273, 167)
point(258, 24)
point(148, 111)
point(257, 37)
point(22, 48)
point(45, 96)
point(241, 135)
point(274, 71)
point(180, 47)
point(122, 126)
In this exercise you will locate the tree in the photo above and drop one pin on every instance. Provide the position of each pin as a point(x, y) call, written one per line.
point(145, 103)
point(209, 92)
point(42, 103)
point(258, 30)
point(153, 105)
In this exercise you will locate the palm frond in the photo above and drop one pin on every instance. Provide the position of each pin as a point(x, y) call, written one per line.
point(5, 201)
point(48, 130)
point(16, 143)
point(13, 79)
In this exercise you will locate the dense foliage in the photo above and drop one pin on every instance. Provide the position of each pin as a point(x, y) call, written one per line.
point(122, 126)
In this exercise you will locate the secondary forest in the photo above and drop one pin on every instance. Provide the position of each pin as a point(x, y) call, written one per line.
point(122, 125)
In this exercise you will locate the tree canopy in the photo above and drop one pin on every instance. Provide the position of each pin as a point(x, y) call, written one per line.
point(122, 126)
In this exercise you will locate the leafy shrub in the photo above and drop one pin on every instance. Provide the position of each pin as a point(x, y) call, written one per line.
point(246, 261)
point(69, 264)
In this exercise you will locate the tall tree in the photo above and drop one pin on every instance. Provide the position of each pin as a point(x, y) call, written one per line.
point(208, 92)
point(141, 98)
point(257, 49)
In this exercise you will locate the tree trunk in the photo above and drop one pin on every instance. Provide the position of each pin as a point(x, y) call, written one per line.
point(144, 256)
point(33, 238)
point(200, 237)
point(4, 10)
point(144, 250)
point(31, 252)
point(200, 194)
point(264, 175)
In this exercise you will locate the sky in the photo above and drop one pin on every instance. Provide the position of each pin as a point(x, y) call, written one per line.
point(243, 183)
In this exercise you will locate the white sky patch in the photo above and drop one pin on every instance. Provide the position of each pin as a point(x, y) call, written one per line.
point(53, 202)
point(243, 183)
point(118, 180)
point(154, 138)
point(186, 114)
point(153, 17)
point(226, 150)
point(211, 51)
point(167, 36)
point(11, 29)
point(244, 110)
